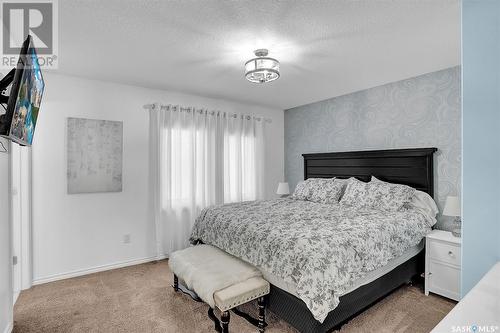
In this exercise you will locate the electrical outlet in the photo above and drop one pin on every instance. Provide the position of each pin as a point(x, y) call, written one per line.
point(126, 239)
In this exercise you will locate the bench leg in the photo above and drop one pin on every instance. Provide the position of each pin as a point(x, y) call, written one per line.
point(225, 321)
point(176, 283)
point(262, 313)
point(214, 318)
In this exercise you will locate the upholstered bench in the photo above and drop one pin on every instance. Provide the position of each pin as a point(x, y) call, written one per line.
point(220, 280)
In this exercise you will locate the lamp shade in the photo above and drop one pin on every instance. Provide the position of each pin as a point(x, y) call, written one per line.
point(262, 68)
point(283, 189)
point(452, 206)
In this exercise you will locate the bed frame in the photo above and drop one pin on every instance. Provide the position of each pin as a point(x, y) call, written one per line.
point(413, 167)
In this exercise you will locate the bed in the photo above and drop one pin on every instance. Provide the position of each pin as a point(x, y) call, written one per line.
point(308, 280)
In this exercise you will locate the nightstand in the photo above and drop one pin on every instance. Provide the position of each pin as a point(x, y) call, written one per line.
point(443, 264)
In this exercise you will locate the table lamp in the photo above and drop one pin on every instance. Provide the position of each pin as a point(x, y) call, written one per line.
point(452, 208)
point(283, 189)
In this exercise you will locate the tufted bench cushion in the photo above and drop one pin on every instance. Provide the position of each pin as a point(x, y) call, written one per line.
point(241, 293)
point(220, 280)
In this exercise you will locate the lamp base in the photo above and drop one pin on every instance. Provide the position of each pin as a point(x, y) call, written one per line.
point(457, 227)
point(457, 232)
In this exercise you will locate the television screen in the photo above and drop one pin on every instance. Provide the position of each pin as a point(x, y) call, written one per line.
point(28, 100)
point(25, 97)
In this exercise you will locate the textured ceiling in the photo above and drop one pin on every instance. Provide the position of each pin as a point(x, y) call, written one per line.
point(326, 48)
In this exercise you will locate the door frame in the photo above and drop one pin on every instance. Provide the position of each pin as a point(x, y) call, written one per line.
point(21, 192)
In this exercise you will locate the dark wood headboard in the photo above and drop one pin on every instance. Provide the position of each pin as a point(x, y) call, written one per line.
point(413, 167)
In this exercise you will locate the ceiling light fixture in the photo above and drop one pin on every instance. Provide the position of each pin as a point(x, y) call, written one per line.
point(262, 69)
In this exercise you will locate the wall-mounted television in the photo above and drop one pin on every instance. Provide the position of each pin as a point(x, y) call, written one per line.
point(23, 103)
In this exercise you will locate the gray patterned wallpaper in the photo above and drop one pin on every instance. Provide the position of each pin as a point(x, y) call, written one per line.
point(423, 111)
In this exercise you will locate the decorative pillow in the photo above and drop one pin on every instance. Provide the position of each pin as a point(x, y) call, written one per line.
point(420, 200)
point(395, 196)
point(324, 190)
point(377, 195)
point(343, 182)
point(301, 191)
point(355, 194)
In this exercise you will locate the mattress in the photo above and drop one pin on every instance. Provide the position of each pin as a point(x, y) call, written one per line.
point(371, 276)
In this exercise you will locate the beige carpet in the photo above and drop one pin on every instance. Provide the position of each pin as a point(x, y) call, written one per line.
point(139, 299)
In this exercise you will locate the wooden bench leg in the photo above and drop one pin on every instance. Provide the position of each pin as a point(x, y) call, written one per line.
point(176, 283)
point(225, 321)
point(214, 318)
point(262, 314)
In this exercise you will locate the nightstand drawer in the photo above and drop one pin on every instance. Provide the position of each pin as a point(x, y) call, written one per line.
point(444, 252)
point(444, 280)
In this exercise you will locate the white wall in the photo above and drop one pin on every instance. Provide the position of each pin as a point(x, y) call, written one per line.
point(5, 246)
point(79, 232)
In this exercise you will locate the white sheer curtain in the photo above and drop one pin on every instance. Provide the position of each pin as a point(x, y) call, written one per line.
point(200, 158)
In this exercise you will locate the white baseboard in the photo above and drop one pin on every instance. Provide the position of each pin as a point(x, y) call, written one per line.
point(9, 328)
point(96, 269)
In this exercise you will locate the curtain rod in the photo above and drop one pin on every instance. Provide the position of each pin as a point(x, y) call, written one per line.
point(152, 106)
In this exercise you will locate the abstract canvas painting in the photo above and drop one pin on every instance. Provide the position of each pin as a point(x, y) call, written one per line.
point(95, 152)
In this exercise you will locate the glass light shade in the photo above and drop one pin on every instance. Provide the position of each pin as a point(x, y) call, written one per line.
point(283, 189)
point(452, 206)
point(262, 69)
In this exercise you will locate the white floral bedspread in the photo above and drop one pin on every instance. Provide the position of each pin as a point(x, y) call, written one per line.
point(321, 248)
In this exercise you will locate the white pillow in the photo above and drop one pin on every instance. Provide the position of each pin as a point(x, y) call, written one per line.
point(424, 202)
